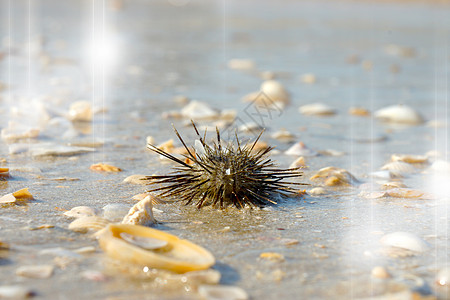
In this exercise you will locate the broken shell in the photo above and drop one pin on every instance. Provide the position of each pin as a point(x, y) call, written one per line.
point(39, 271)
point(136, 179)
point(275, 91)
point(317, 191)
point(399, 168)
point(283, 135)
point(80, 211)
point(316, 109)
point(222, 292)
point(300, 149)
point(241, 64)
point(80, 111)
point(399, 114)
point(143, 242)
point(406, 193)
point(4, 173)
point(199, 110)
point(298, 163)
point(155, 200)
point(83, 224)
point(141, 213)
point(19, 195)
point(333, 176)
point(359, 111)
point(115, 212)
point(179, 255)
point(411, 159)
point(104, 167)
point(405, 240)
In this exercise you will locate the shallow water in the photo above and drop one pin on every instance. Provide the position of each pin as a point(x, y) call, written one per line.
point(163, 50)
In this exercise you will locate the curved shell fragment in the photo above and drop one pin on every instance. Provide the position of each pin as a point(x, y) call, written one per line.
point(405, 240)
point(84, 224)
point(141, 213)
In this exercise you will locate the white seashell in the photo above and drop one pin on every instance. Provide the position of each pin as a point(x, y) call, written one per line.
point(385, 174)
point(199, 110)
point(141, 213)
point(84, 224)
point(443, 277)
point(80, 211)
point(300, 149)
point(80, 111)
point(115, 212)
point(399, 168)
point(283, 135)
point(15, 292)
point(136, 179)
point(332, 176)
point(241, 64)
point(222, 292)
point(317, 191)
point(37, 271)
point(298, 163)
point(275, 91)
point(316, 109)
point(51, 149)
point(147, 243)
point(399, 114)
point(405, 240)
point(408, 193)
point(410, 159)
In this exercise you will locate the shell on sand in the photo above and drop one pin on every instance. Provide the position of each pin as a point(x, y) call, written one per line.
point(316, 109)
point(80, 211)
point(405, 240)
point(84, 224)
point(402, 114)
point(141, 213)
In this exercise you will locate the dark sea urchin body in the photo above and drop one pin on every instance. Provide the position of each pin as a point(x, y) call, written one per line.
point(222, 175)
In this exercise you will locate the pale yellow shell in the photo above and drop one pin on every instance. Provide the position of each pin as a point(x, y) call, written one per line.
point(178, 255)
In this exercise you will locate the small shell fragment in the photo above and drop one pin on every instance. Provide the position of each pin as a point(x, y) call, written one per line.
point(317, 191)
point(300, 149)
point(316, 109)
point(141, 213)
point(38, 271)
point(275, 91)
point(19, 195)
point(399, 167)
point(405, 240)
point(405, 193)
point(272, 256)
point(358, 111)
point(80, 211)
point(402, 114)
point(4, 173)
point(332, 176)
point(104, 168)
point(222, 292)
point(199, 110)
point(393, 185)
point(179, 255)
point(308, 78)
point(298, 163)
point(136, 179)
point(84, 224)
point(411, 159)
point(283, 135)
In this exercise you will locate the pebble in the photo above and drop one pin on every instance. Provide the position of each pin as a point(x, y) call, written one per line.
point(36, 271)
point(401, 114)
point(317, 109)
point(137, 179)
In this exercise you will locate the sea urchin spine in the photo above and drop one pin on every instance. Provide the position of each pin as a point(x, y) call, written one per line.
point(221, 175)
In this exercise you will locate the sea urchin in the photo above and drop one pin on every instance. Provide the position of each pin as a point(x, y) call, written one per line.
point(222, 175)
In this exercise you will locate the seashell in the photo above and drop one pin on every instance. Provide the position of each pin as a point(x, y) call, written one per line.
point(15, 292)
point(147, 243)
point(316, 109)
point(298, 163)
point(331, 152)
point(115, 212)
point(443, 277)
point(399, 168)
point(84, 224)
point(80, 211)
point(393, 184)
point(283, 135)
point(80, 111)
point(221, 292)
point(19, 195)
point(405, 193)
point(179, 255)
point(104, 168)
point(410, 159)
point(51, 149)
point(272, 256)
point(4, 173)
point(37, 271)
point(199, 110)
point(136, 179)
point(275, 91)
point(300, 149)
point(308, 78)
point(385, 174)
point(141, 213)
point(155, 200)
point(333, 176)
point(358, 111)
point(405, 240)
point(317, 191)
point(399, 114)
point(380, 272)
point(241, 64)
